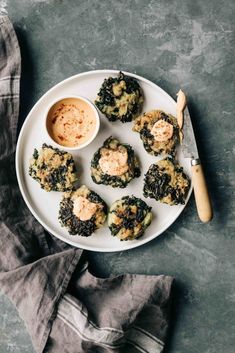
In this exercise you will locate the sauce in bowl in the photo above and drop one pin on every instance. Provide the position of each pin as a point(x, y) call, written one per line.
point(72, 122)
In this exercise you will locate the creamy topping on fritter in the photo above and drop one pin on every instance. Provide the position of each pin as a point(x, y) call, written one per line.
point(71, 122)
point(162, 130)
point(112, 162)
point(83, 208)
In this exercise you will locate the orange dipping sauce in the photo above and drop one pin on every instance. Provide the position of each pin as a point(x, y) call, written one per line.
point(71, 122)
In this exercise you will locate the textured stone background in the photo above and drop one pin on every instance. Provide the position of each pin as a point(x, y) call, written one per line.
point(188, 44)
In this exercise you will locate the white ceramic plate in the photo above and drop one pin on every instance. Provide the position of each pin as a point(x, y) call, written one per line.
point(45, 205)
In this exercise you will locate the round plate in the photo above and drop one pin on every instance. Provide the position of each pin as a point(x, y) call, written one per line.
point(45, 205)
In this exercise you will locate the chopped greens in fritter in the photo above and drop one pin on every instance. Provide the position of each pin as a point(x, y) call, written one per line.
point(53, 169)
point(111, 149)
point(144, 125)
point(166, 182)
point(70, 220)
point(129, 217)
point(120, 98)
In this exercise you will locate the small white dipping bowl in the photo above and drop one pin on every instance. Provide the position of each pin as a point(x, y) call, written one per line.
point(92, 137)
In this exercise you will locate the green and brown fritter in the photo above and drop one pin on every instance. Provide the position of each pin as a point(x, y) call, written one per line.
point(166, 182)
point(158, 131)
point(129, 217)
point(114, 164)
point(120, 98)
point(82, 211)
point(53, 169)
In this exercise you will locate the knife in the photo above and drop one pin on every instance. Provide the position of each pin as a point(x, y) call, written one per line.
point(189, 148)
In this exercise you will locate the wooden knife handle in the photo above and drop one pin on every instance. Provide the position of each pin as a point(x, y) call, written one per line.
point(203, 203)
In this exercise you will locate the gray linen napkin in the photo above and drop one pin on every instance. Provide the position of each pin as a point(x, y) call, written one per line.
point(65, 308)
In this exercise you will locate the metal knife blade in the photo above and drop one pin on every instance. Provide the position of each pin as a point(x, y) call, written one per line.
point(189, 145)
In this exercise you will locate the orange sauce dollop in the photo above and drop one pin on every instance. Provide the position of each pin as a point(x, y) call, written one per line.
point(71, 122)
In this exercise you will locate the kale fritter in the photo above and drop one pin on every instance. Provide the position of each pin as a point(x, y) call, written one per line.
point(114, 164)
point(166, 182)
point(129, 217)
point(120, 98)
point(82, 211)
point(53, 169)
point(158, 131)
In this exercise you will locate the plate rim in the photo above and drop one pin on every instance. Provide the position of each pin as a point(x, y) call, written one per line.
point(17, 162)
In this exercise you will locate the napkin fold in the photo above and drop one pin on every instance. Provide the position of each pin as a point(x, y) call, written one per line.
point(65, 307)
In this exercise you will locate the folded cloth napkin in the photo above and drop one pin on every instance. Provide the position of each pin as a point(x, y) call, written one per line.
point(65, 308)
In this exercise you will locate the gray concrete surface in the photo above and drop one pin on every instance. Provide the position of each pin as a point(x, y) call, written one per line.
point(187, 44)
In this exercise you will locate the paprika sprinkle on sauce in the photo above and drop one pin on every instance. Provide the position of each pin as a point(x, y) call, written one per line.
point(71, 122)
